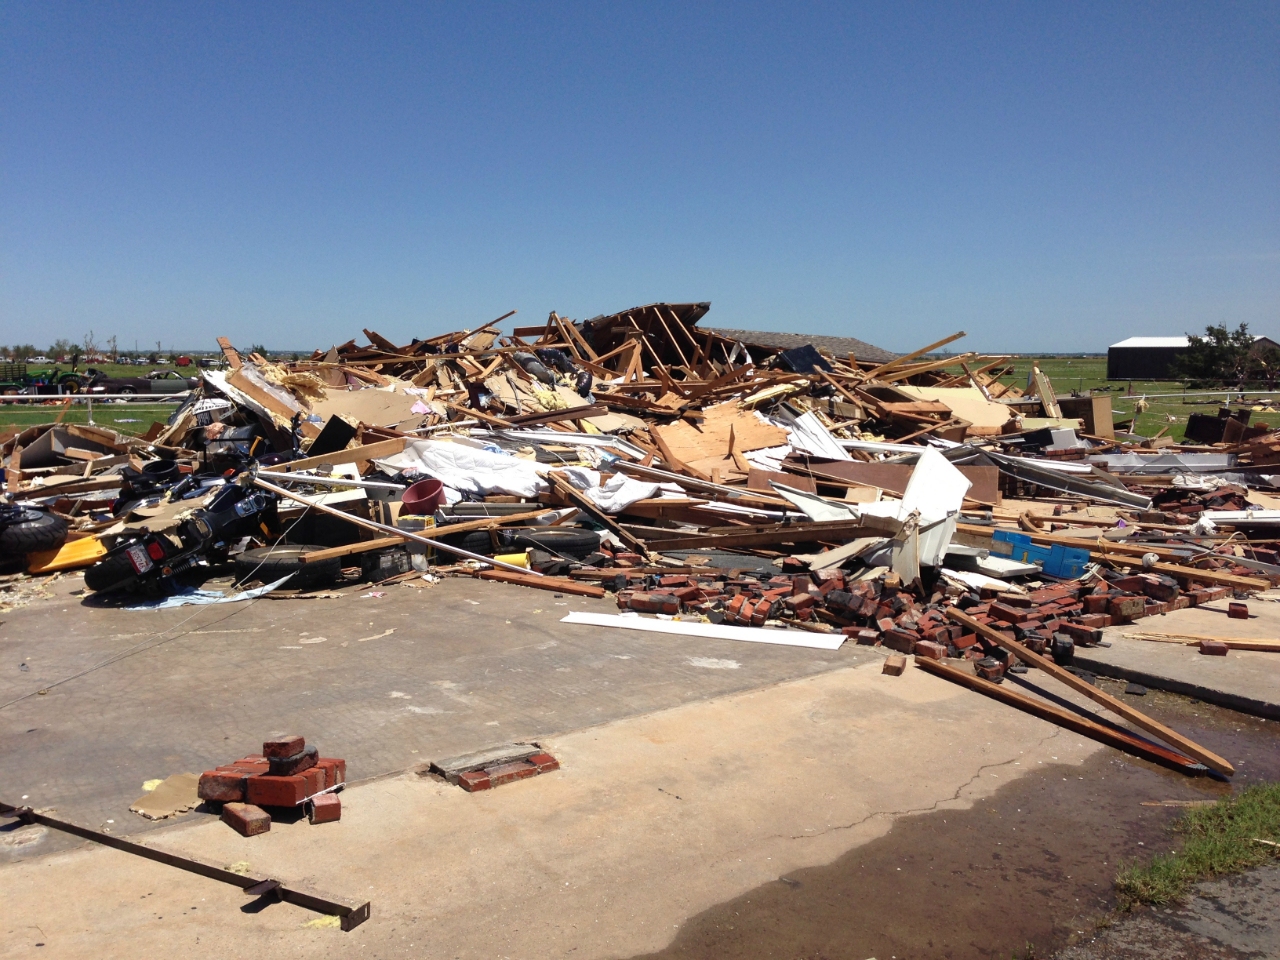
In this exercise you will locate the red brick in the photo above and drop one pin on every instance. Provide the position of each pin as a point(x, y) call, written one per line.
point(894, 665)
point(1000, 611)
point(335, 771)
point(288, 766)
point(1126, 608)
point(885, 623)
point(964, 641)
point(545, 762)
point(654, 603)
point(326, 808)
point(1238, 611)
point(284, 747)
point(510, 772)
point(1213, 648)
point(246, 819)
point(269, 791)
point(473, 781)
point(901, 640)
point(926, 648)
point(1097, 620)
point(222, 785)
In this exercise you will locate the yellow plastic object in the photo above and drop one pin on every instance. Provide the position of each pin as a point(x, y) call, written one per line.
point(72, 554)
point(515, 559)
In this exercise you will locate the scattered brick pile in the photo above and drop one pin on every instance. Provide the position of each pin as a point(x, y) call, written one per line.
point(1050, 620)
point(287, 774)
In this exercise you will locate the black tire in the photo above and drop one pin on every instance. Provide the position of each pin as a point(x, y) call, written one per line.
point(129, 390)
point(113, 572)
point(269, 564)
point(32, 531)
point(573, 542)
point(161, 471)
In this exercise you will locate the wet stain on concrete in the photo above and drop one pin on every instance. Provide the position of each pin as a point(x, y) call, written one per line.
point(1020, 874)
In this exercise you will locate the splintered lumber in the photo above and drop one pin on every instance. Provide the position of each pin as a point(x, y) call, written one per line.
point(370, 451)
point(1134, 716)
point(587, 506)
point(1192, 639)
point(1120, 739)
point(384, 528)
point(363, 546)
point(767, 534)
point(558, 584)
point(907, 358)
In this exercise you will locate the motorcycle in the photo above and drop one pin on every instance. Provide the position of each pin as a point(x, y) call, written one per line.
point(149, 561)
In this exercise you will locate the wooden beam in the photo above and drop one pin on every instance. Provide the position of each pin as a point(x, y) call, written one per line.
point(1133, 715)
point(362, 546)
point(587, 506)
point(840, 531)
point(229, 352)
point(1120, 739)
point(876, 371)
point(558, 584)
point(370, 451)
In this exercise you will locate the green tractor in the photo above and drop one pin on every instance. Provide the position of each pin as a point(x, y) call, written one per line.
point(15, 378)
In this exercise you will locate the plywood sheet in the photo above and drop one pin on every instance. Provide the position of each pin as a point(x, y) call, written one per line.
point(711, 438)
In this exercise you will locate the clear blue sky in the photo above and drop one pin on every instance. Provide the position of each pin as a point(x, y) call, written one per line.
point(1044, 176)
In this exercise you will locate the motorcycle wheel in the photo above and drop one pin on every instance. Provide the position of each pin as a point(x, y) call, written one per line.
point(32, 531)
point(112, 572)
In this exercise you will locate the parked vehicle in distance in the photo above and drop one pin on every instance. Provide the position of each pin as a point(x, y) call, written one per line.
point(211, 363)
point(183, 361)
point(157, 381)
point(40, 359)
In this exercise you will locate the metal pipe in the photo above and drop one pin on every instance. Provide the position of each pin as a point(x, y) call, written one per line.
point(374, 525)
point(330, 481)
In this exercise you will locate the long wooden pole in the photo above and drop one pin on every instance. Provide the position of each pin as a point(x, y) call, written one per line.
point(1137, 717)
point(373, 525)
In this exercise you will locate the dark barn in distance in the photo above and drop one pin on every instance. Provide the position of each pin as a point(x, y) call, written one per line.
point(1153, 358)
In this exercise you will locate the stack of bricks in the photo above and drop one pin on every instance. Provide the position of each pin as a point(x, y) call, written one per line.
point(286, 774)
point(1051, 620)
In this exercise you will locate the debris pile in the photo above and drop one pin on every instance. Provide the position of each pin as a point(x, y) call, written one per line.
point(737, 479)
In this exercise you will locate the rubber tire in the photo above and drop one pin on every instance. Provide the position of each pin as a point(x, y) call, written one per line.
point(269, 564)
point(131, 391)
point(570, 543)
point(113, 572)
point(33, 532)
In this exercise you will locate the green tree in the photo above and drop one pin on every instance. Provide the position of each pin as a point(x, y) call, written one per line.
point(1221, 356)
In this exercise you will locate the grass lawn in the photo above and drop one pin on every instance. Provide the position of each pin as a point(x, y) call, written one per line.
point(128, 418)
point(1090, 373)
point(1219, 839)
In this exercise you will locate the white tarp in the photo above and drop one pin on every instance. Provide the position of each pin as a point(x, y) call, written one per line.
point(470, 469)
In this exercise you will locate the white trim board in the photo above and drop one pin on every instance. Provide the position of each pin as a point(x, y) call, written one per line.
point(709, 631)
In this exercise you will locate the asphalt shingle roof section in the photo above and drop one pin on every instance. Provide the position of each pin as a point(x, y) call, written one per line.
point(837, 346)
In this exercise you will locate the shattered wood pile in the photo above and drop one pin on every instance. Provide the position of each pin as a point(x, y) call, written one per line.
point(694, 475)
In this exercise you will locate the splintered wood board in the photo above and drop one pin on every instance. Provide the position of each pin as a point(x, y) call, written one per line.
point(711, 439)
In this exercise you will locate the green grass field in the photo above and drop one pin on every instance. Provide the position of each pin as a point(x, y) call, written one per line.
point(130, 418)
point(1090, 373)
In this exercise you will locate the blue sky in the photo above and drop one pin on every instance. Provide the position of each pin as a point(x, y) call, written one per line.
point(1044, 176)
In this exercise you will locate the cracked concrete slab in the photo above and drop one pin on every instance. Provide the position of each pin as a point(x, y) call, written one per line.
point(702, 802)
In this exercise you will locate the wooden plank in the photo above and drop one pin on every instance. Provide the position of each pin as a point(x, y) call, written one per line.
point(897, 362)
point(587, 506)
point(364, 546)
point(1120, 739)
point(1192, 639)
point(557, 584)
point(762, 536)
point(370, 451)
point(1134, 716)
point(229, 352)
